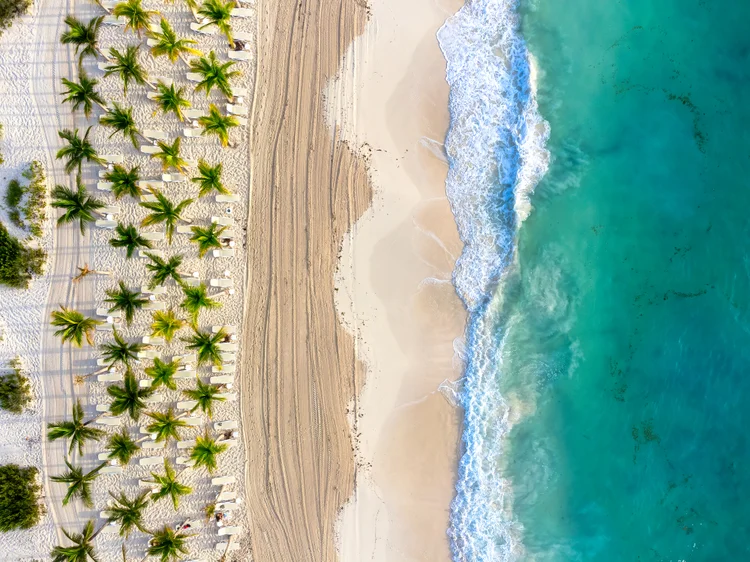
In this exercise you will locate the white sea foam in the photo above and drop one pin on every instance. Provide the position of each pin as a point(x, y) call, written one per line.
point(496, 151)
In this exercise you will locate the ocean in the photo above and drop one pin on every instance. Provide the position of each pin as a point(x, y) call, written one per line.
point(598, 152)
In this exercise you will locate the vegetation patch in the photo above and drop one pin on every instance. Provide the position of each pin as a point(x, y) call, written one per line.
point(15, 391)
point(20, 507)
point(18, 262)
point(10, 10)
point(27, 204)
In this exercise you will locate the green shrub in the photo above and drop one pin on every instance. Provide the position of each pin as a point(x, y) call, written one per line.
point(18, 263)
point(15, 392)
point(10, 10)
point(14, 194)
point(19, 497)
point(35, 209)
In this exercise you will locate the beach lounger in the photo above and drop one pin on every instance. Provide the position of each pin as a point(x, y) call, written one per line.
point(192, 132)
point(145, 383)
point(153, 445)
point(143, 431)
point(152, 42)
point(187, 404)
point(101, 362)
point(223, 253)
point(153, 340)
point(110, 420)
point(228, 506)
point(103, 173)
point(111, 210)
point(102, 408)
point(106, 514)
point(186, 444)
point(228, 396)
point(194, 113)
point(148, 198)
point(111, 529)
point(112, 158)
point(227, 369)
point(155, 305)
point(111, 470)
point(147, 484)
point(243, 36)
point(155, 134)
point(194, 77)
point(150, 461)
point(227, 357)
point(229, 495)
point(157, 398)
point(154, 236)
point(184, 229)
point(242, 12)
point(148, 354)
point(158, 290)
point(150, 184)
point(223, 221)
point(103, 456)
point(241, 110)
point(226, 425)
point(243, 56)
point(105, 328)
point(207, 30)
point(231, 198)
point(229, 531)
point(223, 480)
point(152, 95)
point(241, 121)
point(221, 379)
point(103, 66)
point(191, 281)
point(150, 149)
point(186, 358)
point(227, 547)
point(229, 442)
point(190, 163)
point(193, 420)
point(105, 224)
point(157, 253)
point(169, 178)
point(185, 461)
point(104, 185)
point(109, 4)
point(105, 312)
point(229, 329)
point(186, 374)
point(228, 346)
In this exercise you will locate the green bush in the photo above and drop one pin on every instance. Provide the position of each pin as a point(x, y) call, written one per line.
point(10, 10)
point(35, 209)
point(19, 497)
point(14, 194)
point(18, 263)
point(15, 392)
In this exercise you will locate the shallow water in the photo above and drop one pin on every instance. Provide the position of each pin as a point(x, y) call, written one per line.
point(616, 347)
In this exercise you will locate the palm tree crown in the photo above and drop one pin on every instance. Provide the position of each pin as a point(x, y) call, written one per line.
point(77, 150)
point(129, 238)
point(163, 270)
point(205, 451)
point(83, 93)
point(129, 397)
point(163, 373)
point(207, 395)
point(82, 549)
point(125, 300)
point(136, 16)
point(166, 324)
point(214, 74)
point(77, 431)
point(168, 545)
point(124, 181)
point(79, 483)
point(170, 98)
point(120, 351)
point(217, 124)
point(196, 299)
point(171, 46)
point(127, 67)
point(206, 345)
point(170, 155)
point(209, 179)
point(78, 205)
point(207, 237)
point(74, 326)
point(165, 425)
point(121, 120)
point(169, 486)
point(128, 513)
point(219, 14)
point(121, 447)
point(164, 211)
point(83, 36)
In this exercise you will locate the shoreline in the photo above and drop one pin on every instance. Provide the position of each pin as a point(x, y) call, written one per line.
point(393, 287)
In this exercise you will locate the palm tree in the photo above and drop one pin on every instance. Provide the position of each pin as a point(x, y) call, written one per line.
point(219, 14)
point(168, 545)
point(162, 373)
point(170, 155)
point(165, 425)
point(166, 324)
point(207, 237)
point(170, 98)
point(125, 300)
point(128, 513)
point(120, 351)
point(124, 181)
point(83, 93)
point(164, 211)
point(163, 270)
point(85, 271)
point(169, 486)
point(214, 74)
point(74, 326)
point(128, 237)
point(217, 124)
point(129, 397)
point(77, 150)
point(206, 395)
point(121, 120)
point(83, 549)
point(209, 179)
point(138, 18)
point(79, 205)
point(77, 430)
point(79, 483)
point(196, 299)
point(127, 67)
point(206, 345)
point(83, 36)
point(121, 447)
point(171, 46)
point(205, 451)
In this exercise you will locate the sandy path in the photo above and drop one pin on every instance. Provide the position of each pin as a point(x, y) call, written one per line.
point(301, 372)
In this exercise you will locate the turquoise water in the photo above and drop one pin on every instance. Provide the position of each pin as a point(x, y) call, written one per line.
point(614, 346)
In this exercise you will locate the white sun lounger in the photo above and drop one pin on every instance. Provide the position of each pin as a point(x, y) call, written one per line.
point(225, 425)
point(154, 399)
point(172, 177)
point(148, 198)
point(194, 113)
point(207, 30)
point(186, 374)
point(193, 420)
point(103, 173)
point(157, 253)
point(109, 420)
point(229, 442)
point(142, 429)
point(102, 408)
point(192, 132)
point(184, 229)
point(241, 121)
point(111, 210)
point(186, 358)
point(232, 198)
point(155, 305)
point(107, 225)
point(228, 396)
point(152, 95)
point(148, 354)
point(185, 461)
point(104, 185)
point(229, 495)
point(109, 4)
point(227, 346)
point(112, 158)
point(105, 328)
point(106, 312)
point(101, 362)
point(243, 35)
point(158, 290)
point(227, 369)
point(229, 506)
point(223, 480)
point(227, 357)
point(229, 329)
point(105, 514)
point(153, 445)
point(103, 66)
point(152, 42)
point(153, 340)
point(194, 76)
point(155, 134)
point(187, 404)
point(242, 12)
point(223, 221)
point(150, 149)
point(150, 184)
point(191, 281)
point(227, 547)
point(229, 531)
point(144, 383)
point(153, 236)
point(223, 253)
point(241, 110)
point(240, 55)
point(221, 379)
point(147, 484)
point(111, 529)
point(189, 444)
point(103, 456)
point(111, 470)
point(150, 461)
